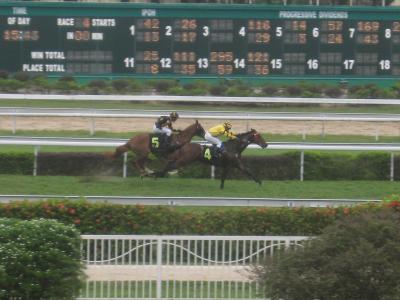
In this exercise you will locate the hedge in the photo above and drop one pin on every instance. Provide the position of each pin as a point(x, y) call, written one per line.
point(24, 82)
point(103, 218)
point(16, 163)
point(317, 166)
point(39, 259)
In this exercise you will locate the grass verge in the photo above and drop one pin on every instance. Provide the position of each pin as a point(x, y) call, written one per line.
point(116, 186)
point(170, 289)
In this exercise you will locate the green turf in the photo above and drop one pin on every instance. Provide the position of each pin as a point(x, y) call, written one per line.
point(202, 106)
point(99, 185)
point(170, 289)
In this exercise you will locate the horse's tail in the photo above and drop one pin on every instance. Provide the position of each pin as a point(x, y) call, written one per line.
point(118, 151)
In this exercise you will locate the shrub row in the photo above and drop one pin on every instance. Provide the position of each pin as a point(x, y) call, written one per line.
point(317, 166)
point(26, 83)
point(103, 218)
point(39, 259)
point(16, 163)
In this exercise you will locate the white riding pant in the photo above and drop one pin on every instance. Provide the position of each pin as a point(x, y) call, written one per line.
point(164, 130)
point(212, 139)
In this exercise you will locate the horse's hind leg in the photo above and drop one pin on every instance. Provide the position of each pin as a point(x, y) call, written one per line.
point(120, 150)
point(171, 165)
point(140, 165)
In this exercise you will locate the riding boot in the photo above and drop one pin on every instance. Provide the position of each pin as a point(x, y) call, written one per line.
point(222, 150)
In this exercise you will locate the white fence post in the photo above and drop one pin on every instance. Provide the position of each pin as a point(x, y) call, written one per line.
point(159, 267)
point(35, 161)
point(14, 123)
point(92, 126)
point(302, 166)
point(124, 166)
point(392, 166)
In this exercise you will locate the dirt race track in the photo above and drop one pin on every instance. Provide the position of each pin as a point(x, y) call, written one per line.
point(139, 124)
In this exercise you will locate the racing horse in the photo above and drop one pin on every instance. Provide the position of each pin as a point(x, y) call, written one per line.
point(230, 157)
point(141, 145)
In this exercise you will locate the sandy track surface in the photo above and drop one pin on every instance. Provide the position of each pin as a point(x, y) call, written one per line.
point(140, 124)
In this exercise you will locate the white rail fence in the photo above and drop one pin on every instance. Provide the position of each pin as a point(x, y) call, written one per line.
point(176, 267)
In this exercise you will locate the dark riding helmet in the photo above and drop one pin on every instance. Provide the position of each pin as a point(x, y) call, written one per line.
point(227, 125)
point(174, 116)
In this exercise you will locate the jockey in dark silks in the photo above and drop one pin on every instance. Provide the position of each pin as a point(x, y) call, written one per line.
point(163, 125)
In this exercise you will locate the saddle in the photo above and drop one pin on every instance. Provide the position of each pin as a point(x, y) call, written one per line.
point(161, 143)
point(211, 154)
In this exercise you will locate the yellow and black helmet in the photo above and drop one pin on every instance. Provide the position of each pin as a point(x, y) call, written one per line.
point(174, 115)
point(227, 125)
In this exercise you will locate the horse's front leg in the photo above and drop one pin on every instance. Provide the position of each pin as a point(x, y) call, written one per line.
point(171, 165)
point(223, 176)
point(247, 171)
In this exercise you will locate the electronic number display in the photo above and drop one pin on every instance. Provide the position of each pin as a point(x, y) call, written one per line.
point(199, 40)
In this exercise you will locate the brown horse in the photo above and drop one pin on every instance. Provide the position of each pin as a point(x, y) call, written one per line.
point(140, 145)
point(230, 157)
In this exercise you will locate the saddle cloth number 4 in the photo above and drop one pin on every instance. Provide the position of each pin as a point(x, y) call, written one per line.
point(207, 154)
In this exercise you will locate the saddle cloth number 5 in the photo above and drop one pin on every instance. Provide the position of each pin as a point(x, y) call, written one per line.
point(155, 142)
point(207, 154)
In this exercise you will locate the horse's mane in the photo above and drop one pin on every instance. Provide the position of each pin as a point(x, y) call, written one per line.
point(244, 134)
point(191, 126)
point(240, 137)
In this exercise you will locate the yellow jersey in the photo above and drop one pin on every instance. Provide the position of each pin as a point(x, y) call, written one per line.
point(220, 130)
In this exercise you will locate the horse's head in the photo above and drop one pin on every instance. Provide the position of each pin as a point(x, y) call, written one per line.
point(256, 138)
point(192, 130)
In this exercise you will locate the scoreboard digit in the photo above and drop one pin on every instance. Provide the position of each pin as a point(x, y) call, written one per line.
point(209, 41)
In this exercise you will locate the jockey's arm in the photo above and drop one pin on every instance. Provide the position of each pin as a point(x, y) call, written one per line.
point(230, 134)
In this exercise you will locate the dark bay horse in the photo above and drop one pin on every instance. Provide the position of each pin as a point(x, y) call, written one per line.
point(140, 145)
point(231, 157)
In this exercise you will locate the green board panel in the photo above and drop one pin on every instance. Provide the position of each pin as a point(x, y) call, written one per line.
point(200, 41)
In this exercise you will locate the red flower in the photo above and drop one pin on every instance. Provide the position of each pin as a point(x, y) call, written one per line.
point(394, 204)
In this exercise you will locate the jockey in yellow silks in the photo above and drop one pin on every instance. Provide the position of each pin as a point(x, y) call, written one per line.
point(219, 130)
